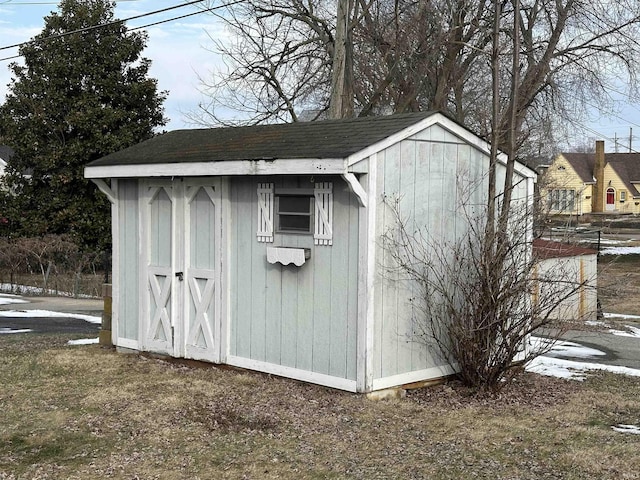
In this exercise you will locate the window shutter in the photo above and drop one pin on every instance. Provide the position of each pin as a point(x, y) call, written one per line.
point(265, 212)
point(323, 232)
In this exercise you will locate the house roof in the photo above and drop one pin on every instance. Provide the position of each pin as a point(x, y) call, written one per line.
point(627, 166)
point(545, 249)
point(330, 147)
point(321, 139)
point(583, 164)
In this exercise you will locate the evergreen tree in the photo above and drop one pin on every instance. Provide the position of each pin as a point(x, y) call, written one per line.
point(78, 96)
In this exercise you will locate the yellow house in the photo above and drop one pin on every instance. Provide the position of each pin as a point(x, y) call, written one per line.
point(579, 183)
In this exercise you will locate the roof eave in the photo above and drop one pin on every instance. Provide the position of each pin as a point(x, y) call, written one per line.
point(302, 166)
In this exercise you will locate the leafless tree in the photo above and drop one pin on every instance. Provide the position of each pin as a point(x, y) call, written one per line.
point(409, 56)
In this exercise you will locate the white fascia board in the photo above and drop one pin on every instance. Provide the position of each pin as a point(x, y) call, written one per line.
point(303, 166)
point(447, 124)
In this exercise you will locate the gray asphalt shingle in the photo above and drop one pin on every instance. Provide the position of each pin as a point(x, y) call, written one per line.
point(310, 140)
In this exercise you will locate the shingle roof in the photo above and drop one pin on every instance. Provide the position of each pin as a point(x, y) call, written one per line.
point(627, 166)
point(583, 164)
point(544, 249)
point(322, 139)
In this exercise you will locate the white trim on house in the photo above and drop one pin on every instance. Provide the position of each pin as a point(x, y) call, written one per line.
point(447, 124)
point(109, 192)
point(294, 373)
point(413, 377)
point(356, 188)
point(115, 264)
point(367, 268)
point(128, 343)
point(302, 166)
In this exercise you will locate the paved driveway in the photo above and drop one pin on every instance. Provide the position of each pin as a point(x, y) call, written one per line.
point(56, 322)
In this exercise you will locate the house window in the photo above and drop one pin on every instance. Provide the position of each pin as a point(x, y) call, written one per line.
point(294, 213)
point(623, 195)
point(562, 200)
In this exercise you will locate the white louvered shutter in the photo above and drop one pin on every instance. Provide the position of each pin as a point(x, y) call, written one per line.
point(323, 232)
point(265, 212)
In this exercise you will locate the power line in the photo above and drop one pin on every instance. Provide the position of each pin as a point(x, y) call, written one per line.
point(9, 3)
point(115, 22)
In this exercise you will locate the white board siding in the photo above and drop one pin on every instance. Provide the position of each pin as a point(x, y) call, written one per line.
point(303, 317)
point(425, 177)
point(129, 256)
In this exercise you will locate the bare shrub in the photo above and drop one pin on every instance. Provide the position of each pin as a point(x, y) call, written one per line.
point(476, 299)
point(52, 263)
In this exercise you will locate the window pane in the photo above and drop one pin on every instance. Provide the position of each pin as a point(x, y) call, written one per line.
point(294, 204)
point(299, 223)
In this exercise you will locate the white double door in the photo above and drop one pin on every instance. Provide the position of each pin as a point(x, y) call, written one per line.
point(181, 243)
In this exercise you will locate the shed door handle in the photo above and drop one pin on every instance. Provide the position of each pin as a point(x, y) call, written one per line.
point(180, 276)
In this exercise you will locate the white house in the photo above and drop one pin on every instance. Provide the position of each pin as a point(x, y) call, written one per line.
point(259, 247)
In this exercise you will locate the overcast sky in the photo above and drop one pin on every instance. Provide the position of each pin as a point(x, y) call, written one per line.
point(177, 48)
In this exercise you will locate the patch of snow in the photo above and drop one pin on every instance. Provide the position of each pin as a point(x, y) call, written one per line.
point(634, 429)
point(594, 323)
point(631, 332)
point(620, 251)
point(619, 315)
point(8, 299)
point(30, 290)
point(47, 313)
point(7, 331)
point(562, 348)
point(556, 367)
point(83, 341)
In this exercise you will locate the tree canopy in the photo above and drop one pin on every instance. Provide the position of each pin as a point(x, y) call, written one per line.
point(435, 55)
point(82, 93)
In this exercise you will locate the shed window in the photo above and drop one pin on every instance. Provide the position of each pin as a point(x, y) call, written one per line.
point(296, 210)
point(295, 213)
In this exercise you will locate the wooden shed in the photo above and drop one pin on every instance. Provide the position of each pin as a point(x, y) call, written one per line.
point(571, 271)
point(259, 247)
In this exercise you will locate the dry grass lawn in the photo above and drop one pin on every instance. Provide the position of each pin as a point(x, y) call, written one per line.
point(87, 412)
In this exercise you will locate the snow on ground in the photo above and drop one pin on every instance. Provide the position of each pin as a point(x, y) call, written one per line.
point(557, 367)
point(619, 315)
point(630, 332)
point(634, 429)
point(83, 341)
point(47, 313)
point(620, 251)
point(594, 323)
point(7, 331)
point(8, 299)
point(27, 289)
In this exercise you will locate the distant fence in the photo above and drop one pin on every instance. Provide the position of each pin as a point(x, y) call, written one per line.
point(51, 265)
point(587, 237)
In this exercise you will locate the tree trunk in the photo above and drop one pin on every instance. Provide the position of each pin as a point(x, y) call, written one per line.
point(341, 101)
